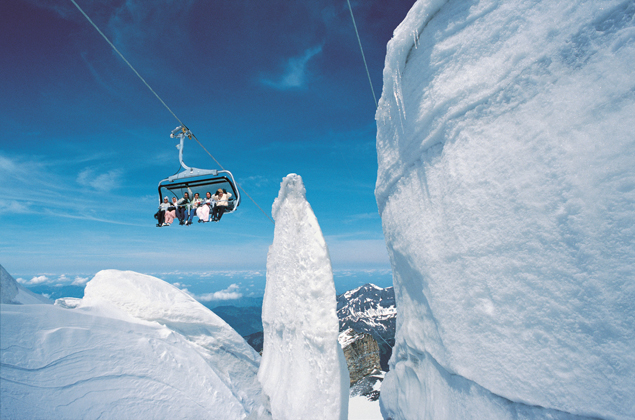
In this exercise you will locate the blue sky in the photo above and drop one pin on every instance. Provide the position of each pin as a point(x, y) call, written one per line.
point(269, 87)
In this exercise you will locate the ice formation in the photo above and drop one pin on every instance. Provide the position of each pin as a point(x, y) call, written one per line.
point(133, 347)
point(506, 186)
point(303, 369)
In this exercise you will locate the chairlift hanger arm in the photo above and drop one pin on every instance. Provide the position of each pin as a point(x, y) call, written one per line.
point(207, 176)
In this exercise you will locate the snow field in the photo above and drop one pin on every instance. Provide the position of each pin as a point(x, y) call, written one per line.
point(102, 359)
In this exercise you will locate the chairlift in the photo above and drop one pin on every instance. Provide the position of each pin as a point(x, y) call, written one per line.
point(194, 180)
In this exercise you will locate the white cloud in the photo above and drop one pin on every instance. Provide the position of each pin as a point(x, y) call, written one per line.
point(228, 294)
point(80, 281)
point(34, 280)
point(13, 207)
point(295, 73)
point(102, 182)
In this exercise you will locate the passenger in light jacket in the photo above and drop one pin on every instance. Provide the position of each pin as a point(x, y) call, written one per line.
point(222, 201)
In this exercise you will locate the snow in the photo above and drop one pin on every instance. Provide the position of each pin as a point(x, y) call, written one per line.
point(348, 336)
point(363, 405)
point(360, 408)
point(506, 187)
point(133, 347)
point(303, 369)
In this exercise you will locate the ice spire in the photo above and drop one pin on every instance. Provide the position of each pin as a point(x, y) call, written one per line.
point(303, 370)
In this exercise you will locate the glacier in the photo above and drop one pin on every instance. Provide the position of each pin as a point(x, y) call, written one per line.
point(506, 187)
point(303, 369)
point(133, 347)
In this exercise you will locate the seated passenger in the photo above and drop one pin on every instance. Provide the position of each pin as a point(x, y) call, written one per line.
point(170, 214)
point(163, 207)
point(221, 199)
point(202, 212)
point(183, 208)
point(197, 201)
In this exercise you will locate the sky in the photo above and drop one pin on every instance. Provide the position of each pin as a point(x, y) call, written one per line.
point(268, 87)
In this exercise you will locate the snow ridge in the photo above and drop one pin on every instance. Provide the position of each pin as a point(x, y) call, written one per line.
point(134, 347)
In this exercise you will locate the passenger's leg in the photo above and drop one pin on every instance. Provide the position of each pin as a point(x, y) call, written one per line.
point(221, 210)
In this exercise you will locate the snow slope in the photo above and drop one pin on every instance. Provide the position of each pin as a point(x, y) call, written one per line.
point(303, 369)
point(12, 292)
point(134, 347)
point(506, 186)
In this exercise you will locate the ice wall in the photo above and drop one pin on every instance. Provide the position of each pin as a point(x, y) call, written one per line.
point(506, 186)
point(303, 369)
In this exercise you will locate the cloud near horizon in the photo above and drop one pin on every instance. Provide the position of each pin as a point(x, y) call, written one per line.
point(230, 293)
point(34, 280)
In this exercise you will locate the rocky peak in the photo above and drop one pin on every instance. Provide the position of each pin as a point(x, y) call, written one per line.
point(361, 352)
point(370, 309)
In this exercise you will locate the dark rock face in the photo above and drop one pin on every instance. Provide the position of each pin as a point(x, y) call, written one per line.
point(255, 340)
point(370, 309)
point(361, 352)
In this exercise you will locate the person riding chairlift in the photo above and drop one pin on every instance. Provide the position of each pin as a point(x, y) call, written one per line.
point(197, 201)
point(202, 212)
point(183, 208)
point(221, 199)
point(163, 207)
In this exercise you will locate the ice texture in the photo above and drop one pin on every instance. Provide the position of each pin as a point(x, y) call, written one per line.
point(133, 347)
point(303, 369)
point(506, 186)
point(8, 286)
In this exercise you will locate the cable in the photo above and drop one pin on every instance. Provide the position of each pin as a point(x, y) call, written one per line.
point(362, 50)
point(161, 100)
point(127, 62)
point(238, 185)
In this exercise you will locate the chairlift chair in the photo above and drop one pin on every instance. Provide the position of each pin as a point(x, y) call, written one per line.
point(194, 180)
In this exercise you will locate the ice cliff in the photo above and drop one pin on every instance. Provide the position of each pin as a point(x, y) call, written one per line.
point(303, 369)
point(506, 186)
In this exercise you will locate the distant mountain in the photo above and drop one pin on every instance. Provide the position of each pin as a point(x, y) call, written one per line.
point(242, 302)
point(245, 320)
point(370, 309)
